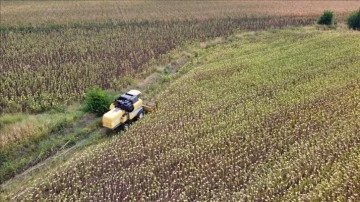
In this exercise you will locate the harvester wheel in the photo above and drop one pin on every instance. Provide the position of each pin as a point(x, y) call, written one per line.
point(126, 127)
point(140, 115)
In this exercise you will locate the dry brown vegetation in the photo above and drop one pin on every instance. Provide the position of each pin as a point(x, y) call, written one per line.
point(293, 133)
point(52, 51)
point(82, 11)
point(266, 118)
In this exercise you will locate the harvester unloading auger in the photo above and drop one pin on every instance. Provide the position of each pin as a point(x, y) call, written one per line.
point(126, 109)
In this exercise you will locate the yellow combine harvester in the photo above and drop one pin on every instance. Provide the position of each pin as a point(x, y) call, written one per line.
point(126, 109)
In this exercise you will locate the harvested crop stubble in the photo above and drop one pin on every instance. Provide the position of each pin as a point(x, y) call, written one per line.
point(271, 119)
point(35, 12)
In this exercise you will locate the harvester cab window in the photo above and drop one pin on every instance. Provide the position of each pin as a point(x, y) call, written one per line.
point(135, 99)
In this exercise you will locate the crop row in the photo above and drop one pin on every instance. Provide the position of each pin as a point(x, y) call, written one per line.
point(48, 65)
point(271, 120)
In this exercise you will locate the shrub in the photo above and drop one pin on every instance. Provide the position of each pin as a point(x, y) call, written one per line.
point(97, 101)
point(327, 18)
point(3, 158)
point(353, 20)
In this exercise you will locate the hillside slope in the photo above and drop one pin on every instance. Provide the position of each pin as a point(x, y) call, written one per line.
point(270, 116)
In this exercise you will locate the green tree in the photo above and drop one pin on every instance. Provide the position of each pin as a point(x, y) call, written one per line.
point(97, 101)
point(327, 18)
point(353, 20)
